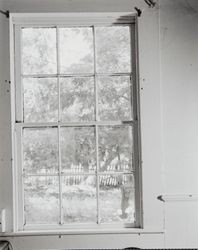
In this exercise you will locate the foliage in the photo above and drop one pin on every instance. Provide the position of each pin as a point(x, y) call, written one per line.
point(77, 104)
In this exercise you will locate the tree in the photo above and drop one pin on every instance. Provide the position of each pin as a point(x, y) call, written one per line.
point(78, 103)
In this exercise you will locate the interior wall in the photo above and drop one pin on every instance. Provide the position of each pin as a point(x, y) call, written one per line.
point(152, 235)
point(5, 122)
point(71, 5)
point(169, 105)
point(179, 67)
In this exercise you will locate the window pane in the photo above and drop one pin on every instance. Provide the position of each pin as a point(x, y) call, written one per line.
point(115, 148)
point(41, 200)
point(40, 100)
point(76, 50)
point(40, 150)
point(77, 99)
point(113, 49)
point(39, 51)
point(114, 98)
point(78, 149)
point(79, 199)
point(117, 198)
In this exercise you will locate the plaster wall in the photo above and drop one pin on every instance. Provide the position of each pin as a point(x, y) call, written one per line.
point(179, 71)
point(168, 52)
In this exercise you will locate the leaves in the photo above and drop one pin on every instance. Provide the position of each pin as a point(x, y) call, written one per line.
point(78, 102)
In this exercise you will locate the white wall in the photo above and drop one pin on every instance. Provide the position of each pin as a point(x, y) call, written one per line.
point(169, 110)
point(179, 67)
point(5, 125)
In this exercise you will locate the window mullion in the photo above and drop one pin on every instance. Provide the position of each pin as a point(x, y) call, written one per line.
point(75, 124)
point(59, 136)
point(60, 176)
point(64, 75)
point(96, 128)
point(58, 68)
point(97, 176)
point(95, 77)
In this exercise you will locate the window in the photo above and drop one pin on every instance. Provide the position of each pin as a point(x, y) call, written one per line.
point(76, 121)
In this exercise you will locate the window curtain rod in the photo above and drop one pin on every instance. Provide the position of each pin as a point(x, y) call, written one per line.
point(6, 13)
point(150, 3)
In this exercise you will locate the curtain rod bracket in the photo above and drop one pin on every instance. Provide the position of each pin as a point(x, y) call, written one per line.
point(150, 3)
point(139, 12)
point(6, 13)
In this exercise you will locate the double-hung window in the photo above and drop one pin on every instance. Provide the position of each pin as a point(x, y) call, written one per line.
point(76, 123)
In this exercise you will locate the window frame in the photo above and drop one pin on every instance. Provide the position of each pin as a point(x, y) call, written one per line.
point(70, 19)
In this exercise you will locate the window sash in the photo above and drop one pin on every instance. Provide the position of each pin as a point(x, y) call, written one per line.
point(61, 174)
point(20, 76)
point(19, 125)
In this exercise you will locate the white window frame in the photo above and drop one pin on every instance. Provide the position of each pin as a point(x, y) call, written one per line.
point(19, 20)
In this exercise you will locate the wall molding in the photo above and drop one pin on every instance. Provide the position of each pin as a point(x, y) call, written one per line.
point(178, 197)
